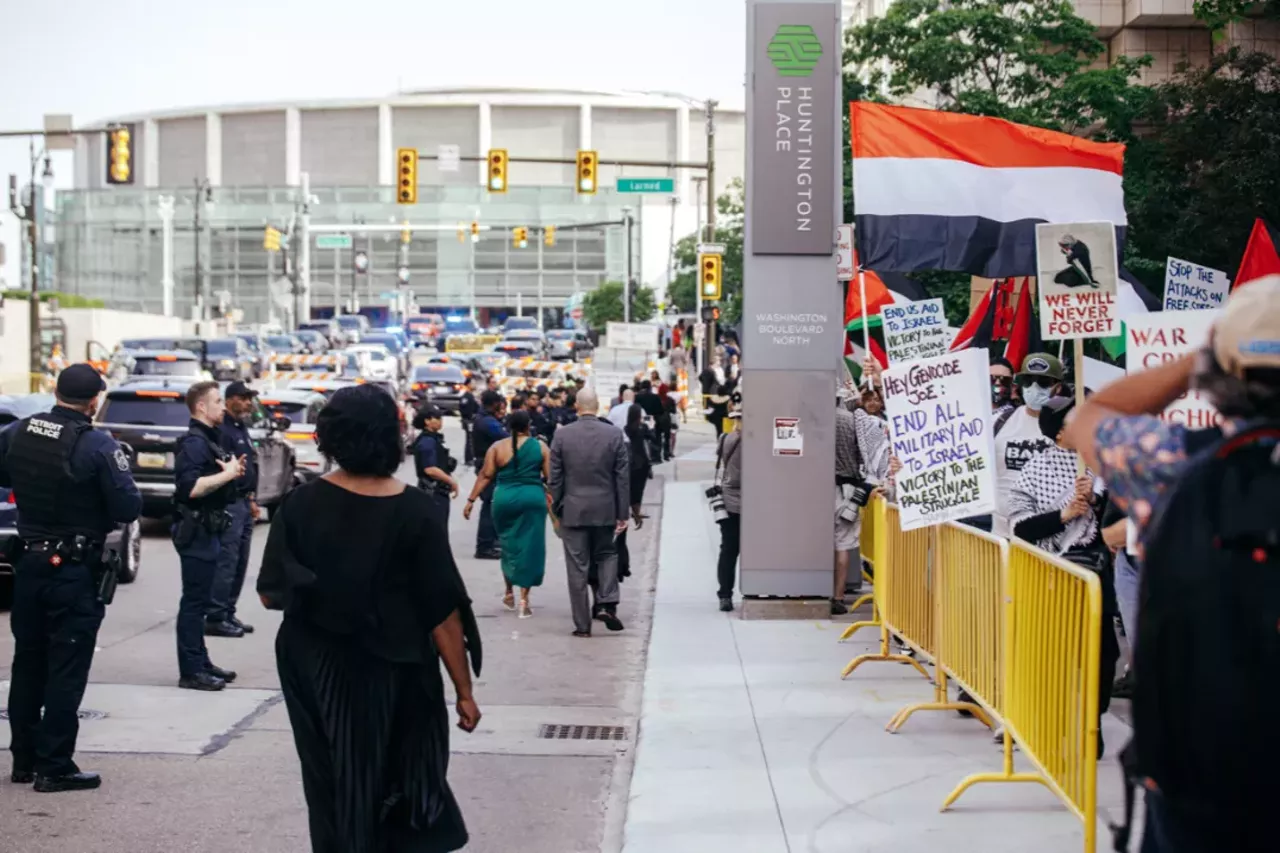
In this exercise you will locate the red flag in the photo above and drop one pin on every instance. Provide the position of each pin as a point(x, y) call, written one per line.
point(1260, 257)
point(878, 296)
point(1024, 337)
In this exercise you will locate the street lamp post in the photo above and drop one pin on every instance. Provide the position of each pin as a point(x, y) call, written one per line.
point(204, 193)
point(29, 209)
point(628, 285)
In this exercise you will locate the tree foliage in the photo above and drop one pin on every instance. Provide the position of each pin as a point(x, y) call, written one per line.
point(1206, 167)
point(1218, 13)
point(1030, 61)
point(730, 209)
point(604, 305)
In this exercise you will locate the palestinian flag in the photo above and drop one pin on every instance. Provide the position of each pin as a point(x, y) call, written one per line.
point(1132, 299)
point(995, 320)
point(878, 296)
point(855, 355)
point(1260, 255)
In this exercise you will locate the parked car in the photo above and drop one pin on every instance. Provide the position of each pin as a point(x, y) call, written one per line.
point(232, 359)
point(301, 408)
point(313, 342)
point(179, 363)
point(353, 326)
point(125, 540)
point(569, 345)
point(534, 338)
point(442, 384)
point(376, 362)
point(512, 324)
point(151, 417)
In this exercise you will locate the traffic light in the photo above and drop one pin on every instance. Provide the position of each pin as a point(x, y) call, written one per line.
point(588, 176)
point(120, 155)
point(497, 170)
point(406, 234)
point(462, 232)
point(710, 313)
point(407, 180)
point(549, 236)
point(271, 239)
point(475, 232)
point(710, 268)
point(520, 237)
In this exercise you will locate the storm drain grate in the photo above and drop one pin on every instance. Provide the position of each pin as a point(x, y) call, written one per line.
point(560, 731)
point(83, 714)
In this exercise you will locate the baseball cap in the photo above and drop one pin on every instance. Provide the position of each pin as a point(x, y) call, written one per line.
point(80, 382)
point(239, 389)
point(429, 411)
point(1247, 334)
point(1041, 364)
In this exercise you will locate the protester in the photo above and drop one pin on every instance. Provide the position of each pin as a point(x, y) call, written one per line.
point(729, 478)
point(518, 467)
point(862, 463)
point(361, 680)
point(1203, 502)
point(666, 424)
point(618, 414)
point(641, 470)
point(1018, 437)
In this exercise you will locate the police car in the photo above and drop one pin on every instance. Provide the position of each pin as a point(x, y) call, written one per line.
point(126, 540)
point(439, 383)
point(146, 364)
point(151, 417)
point(301, 408)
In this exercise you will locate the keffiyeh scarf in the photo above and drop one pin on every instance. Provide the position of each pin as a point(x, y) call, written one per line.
point(1047, 484)
point(873, 441)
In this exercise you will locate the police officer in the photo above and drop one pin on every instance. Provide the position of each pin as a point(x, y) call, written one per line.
point(220, 619)
point(205, 476)
point(73, 487)
point(468, 408)
point(488, 430)
point(432, 460)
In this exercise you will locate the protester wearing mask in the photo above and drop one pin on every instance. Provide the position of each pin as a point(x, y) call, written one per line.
point(1017, 433)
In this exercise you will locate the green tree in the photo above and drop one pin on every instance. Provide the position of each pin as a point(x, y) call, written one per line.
point(683, 293)
point(1218, 13)
point(1206, 168)
point(604, 305)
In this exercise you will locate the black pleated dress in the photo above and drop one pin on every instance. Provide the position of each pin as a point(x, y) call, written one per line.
point(363, 581)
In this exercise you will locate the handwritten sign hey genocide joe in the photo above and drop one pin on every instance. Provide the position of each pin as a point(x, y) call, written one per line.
point(940, 419)
point(1158, 338)
point(914, 330)
point(1191, 287)
point(1077, 278)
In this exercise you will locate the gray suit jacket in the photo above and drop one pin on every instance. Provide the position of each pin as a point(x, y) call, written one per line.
point(590, 474)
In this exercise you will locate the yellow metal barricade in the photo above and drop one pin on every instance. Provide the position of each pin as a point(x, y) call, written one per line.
point(901, 589)
point(866, 550)
point(968, 587)
point(1049, 704)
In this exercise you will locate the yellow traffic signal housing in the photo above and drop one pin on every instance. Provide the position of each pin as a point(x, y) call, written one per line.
point(497, 170)
point(271, 239)
point(407, 175)
point(710, 273)
point(475, 232)
point(520, 237)
point(549, 236)
point(120, 148)
point(406, 234)
point(588, 172)
point(462, 232)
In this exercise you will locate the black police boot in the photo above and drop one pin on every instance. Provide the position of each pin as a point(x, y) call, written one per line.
point(223, 629)
point(226, 675)
point(22, 777)
point(70, 782)
point(202, 681)
point(234, 620)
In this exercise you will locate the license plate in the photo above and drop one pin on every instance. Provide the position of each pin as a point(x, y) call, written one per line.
point(152, 460)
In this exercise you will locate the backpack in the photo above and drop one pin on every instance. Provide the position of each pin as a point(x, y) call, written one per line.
point(1207, 660)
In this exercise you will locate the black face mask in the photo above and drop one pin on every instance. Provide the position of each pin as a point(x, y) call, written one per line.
point(1001, 393)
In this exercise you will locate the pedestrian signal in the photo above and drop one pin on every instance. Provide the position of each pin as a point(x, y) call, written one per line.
point(588, 176)
point(407, 182)
point(120, 155)
point(710, 313)
point(498, 170)
point(520, 237)
point(710, 270)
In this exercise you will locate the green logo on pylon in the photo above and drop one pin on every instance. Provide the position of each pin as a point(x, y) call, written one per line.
point(795, 50)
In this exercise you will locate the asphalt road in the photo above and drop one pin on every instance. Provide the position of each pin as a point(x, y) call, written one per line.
point(197, 772)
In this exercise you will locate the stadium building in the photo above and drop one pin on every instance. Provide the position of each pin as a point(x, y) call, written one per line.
point(223, 174)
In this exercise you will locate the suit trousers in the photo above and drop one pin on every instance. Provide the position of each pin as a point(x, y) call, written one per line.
point(582, 547)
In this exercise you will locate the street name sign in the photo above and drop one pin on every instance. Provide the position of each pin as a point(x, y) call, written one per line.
point(333, 241)
point(646, 185)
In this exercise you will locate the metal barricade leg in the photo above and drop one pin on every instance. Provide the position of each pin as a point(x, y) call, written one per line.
point(1006, 775)
point(941, 702)
point(884, 655)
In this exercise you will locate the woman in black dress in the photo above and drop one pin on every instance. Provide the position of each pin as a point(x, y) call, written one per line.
point(373, 603)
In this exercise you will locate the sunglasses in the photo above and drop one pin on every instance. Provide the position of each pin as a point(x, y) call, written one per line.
point(1042, 381)
point(1002, 381)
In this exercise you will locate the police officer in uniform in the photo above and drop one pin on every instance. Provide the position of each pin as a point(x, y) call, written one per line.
point(433, 462)
point(468, 408)
point(205, 486)
point(73, 486)
point(488, 430)
point(233, 558)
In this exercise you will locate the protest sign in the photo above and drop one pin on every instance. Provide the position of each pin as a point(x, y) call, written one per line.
point(1077, 273)
point(915, 330)
point(1158, 338)
point(939, 413)
point(1191, 287)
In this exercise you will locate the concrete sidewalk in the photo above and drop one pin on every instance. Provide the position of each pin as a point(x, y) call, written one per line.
point(750, 742)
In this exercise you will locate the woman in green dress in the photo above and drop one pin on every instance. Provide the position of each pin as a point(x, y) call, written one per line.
point(520, 467)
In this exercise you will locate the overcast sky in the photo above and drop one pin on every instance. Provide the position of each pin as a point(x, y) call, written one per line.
point(95, 59)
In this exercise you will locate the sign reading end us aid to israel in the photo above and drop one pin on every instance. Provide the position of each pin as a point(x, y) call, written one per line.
point(939, 413)
point(915, 330)
point(793, 101)
point(1161, 337)
point(1077, 276)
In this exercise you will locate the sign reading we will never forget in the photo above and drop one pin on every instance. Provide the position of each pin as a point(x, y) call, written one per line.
point(914, 330)
point(939, 413)
point(1077, 273)
point(1159, 338)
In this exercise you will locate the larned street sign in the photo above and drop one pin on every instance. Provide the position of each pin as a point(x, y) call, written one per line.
point(646, 185)
point(333, 241)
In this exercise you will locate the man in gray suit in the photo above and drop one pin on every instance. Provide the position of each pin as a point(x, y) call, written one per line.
point(591, 493)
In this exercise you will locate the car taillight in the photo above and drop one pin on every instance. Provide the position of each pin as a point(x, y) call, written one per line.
point(569, 344)
point(459, 387)
point(418, 386)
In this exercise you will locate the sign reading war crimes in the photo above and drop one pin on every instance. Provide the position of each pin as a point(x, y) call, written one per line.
point(1158, 338)
point(1077, 269)
point(794, 109)
point(1191, 287)
point(939, 413)
point(915, 330)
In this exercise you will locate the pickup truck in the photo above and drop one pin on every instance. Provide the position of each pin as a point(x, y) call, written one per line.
point(151, 417)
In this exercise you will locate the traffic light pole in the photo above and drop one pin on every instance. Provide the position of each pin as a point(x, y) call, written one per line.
point(628, 285)
point(710, 337)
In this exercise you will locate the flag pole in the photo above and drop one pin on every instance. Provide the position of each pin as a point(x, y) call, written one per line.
point(866, 330)
point(1079, 377)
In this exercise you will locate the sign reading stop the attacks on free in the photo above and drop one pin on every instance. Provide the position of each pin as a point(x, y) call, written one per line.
point(1161, 337)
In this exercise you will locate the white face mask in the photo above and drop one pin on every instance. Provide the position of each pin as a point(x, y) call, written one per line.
point(1036, 397)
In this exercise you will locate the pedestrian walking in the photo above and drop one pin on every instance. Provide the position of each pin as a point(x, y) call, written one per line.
point(220, 619)
point(618, 414)
point(368, 621)
point(640, 471)
point(432, 461)
point(488, 431)
point(75, 487)
point(728, 477)
point(204, 485)
point(518, 468)
point(590, 494)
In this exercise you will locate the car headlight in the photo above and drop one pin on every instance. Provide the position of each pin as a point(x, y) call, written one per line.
point(226, 362)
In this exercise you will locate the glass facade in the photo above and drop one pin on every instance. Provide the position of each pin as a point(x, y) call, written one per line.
point(109, 246)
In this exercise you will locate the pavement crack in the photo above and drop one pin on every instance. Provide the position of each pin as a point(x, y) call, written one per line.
point(220, 742)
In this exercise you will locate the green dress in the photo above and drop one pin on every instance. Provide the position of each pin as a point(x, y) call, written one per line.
point(520, 514)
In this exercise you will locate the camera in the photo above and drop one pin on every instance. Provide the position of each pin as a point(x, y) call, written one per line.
point(715, 500)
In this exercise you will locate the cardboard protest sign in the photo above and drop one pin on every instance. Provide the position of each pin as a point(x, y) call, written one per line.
point(939, 413)
point(1158, 338)
point(1191, 287)
point(1077, 280)
point(915, 330)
